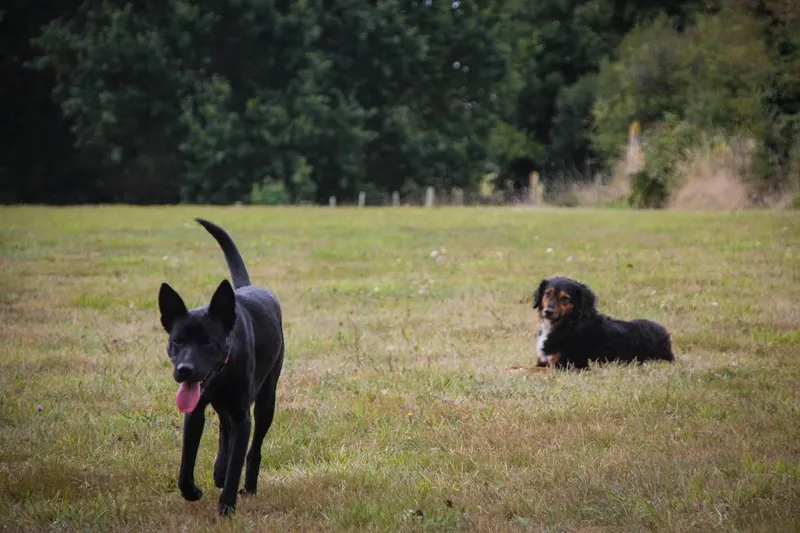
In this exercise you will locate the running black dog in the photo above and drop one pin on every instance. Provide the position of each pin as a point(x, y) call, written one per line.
point(573, 333)
point(228, 354)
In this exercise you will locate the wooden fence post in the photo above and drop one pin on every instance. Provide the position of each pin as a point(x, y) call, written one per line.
point(533, 187)
point(430, 199)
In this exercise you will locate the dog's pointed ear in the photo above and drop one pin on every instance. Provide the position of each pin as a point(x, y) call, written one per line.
point(171, 306)
point(223, 305)
point(587, 301)
point(538, 294)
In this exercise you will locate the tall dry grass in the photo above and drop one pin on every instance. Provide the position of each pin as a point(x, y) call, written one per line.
point(714, 177)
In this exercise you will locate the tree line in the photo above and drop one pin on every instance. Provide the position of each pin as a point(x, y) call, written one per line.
point(274, 101)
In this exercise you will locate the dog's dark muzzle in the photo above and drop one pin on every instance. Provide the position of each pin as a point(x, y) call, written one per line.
point(185, 372)
point(189, 372)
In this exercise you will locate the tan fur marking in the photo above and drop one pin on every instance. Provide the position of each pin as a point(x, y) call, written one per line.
point(564, 304)
point(548, 295)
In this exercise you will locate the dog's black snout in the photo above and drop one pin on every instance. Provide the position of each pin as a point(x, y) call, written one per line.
point(183, 372)
point(548, 313)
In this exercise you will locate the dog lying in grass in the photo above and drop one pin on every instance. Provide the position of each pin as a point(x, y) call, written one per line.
point(573, 333)
point(228, 354)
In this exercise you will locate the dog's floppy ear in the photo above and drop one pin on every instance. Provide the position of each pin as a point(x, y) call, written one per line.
point(223, 305)
point(538, 294)
point(586, 301)
point(171, 306)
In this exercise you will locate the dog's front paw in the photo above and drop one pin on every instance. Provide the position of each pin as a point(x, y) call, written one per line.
point(190, 492)
point(226, 509)
point(247, 491)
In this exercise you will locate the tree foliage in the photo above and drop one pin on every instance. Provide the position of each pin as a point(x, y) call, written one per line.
point(733, 70)
point(270, 100)
point(558, 63)
point(711, 75)
point(327, 97)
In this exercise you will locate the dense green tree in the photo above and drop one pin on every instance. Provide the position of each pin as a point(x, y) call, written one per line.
point(38, 162)
point(779, 160)
point(438, 109)
point(325, 97)
point(711, 75)
point(269, 100)
point(557, 62)
point(119, 83)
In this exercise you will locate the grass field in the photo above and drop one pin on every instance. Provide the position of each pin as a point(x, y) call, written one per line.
point(396, 397)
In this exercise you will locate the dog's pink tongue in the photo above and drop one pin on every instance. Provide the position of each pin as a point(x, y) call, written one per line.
point(188, 395)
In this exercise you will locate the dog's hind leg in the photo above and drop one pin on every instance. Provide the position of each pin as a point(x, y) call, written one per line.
point(193, 424)
point(264, 412)
point(221, 463)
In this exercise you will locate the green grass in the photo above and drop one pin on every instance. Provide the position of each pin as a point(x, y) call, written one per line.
point(396, 396)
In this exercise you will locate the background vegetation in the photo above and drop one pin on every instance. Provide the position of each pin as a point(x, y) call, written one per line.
point(270, 101)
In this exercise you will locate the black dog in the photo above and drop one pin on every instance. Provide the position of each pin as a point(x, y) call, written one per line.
point(228, 354)
point(573, 333)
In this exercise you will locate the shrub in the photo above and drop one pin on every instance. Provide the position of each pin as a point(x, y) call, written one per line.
point(776, 164)
point(566, 199)
point(666, 148)
point(647, 191)
point(269, 192)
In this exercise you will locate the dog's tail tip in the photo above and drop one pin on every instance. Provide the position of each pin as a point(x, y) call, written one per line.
point(233, 258)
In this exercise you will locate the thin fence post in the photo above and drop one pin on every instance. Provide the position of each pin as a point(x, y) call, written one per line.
point(362, 199)
point(332, 201)
point(430, 198)
point(395, 199)
point(634, 158)
point(533, 187)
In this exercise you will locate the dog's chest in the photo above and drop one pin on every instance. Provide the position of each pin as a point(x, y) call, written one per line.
point(544, 331)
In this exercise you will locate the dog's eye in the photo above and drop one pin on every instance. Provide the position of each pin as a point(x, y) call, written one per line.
point(564, 300)
point(176, 344)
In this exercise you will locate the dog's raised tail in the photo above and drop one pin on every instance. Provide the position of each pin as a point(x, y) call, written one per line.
point(233, 258)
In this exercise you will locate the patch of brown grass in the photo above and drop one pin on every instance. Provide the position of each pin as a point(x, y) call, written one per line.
point(713, 179)
point(599, 194)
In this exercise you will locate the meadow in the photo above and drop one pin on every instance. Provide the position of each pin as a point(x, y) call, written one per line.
point(397, 410)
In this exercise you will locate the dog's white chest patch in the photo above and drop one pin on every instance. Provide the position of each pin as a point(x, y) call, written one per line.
point(544, 331)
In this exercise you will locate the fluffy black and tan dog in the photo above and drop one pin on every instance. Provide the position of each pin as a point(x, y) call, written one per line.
point(228, 354)
point(573, 332)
